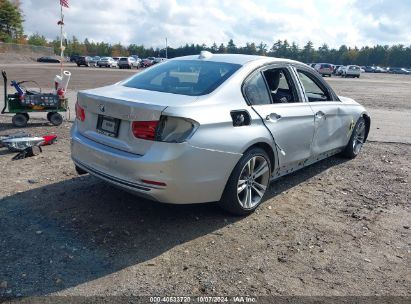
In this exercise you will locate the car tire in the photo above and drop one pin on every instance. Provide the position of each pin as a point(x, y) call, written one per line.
point(245, 190)
point(357, 139)
point(56, 119)
point(78, 65)
point(19, 120)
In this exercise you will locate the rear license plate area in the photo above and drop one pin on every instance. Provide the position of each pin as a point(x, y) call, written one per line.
point(108, 126)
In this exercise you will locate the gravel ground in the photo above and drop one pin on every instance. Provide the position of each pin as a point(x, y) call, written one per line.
point(335, 228)
point(381, 91)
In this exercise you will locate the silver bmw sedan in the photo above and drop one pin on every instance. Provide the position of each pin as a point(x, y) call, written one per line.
point(212, 128)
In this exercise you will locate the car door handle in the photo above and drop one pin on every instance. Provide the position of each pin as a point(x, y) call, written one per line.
point(273, 116)
point(320, 114)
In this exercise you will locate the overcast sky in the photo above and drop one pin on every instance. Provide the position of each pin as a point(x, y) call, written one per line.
point(350, 22)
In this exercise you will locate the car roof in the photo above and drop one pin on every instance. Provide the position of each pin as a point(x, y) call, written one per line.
point(237, 59)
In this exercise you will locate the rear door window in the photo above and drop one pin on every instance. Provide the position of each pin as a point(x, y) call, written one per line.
point(280, 85)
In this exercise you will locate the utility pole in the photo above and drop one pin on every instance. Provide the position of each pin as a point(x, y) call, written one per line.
point(166, 48)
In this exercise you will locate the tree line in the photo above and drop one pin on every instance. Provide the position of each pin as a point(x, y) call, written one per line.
point(383, 55)
point(11, 30)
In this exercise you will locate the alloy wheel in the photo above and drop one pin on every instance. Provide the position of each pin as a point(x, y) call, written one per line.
point(252, 182)
point(359, 137)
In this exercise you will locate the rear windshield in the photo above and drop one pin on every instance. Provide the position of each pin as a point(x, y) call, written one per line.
point(186, 77)
point(123, 59)
point(326, 66)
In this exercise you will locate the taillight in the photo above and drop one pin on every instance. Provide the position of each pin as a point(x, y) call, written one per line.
point(80, 114)
point(167, 129)
point(144, 129)
point(176, 129)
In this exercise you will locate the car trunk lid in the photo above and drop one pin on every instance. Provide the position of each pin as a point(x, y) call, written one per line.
point(110, 111)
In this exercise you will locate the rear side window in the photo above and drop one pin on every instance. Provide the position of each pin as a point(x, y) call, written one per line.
point(256, 91)
point(186, 77)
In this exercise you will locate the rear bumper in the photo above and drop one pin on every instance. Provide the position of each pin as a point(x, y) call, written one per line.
point(191, 174)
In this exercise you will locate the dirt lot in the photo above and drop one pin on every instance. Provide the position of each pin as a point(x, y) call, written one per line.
point(335, 228)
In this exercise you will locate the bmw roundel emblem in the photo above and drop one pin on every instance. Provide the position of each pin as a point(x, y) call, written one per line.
point(101, 107)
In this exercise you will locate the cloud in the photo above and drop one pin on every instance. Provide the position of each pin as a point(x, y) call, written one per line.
point(350, 22)
point(384, 22)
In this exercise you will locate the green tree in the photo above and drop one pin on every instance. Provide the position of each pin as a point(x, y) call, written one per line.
point(75, 46)
point(222, 49)
point(275, 49)
point(11, 22)
point(294, 51)
point(36, 39)
point(249, 49)
point(308, 53)
point(214, 48)
point(262, 49)
point(231, 47)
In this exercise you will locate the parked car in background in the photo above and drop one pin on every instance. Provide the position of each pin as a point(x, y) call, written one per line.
point(378, 69)
point(149, 61)
point(335, 68)
point(94, 60)
point(351, 71)
point(325, 69)
point(48, 59)
point(74, 58)
point(369, 69)
point(139, 62)
point(107, 62)
point(198, 136)
point(159, 59)
point(397, 70)
point(340, 70)
point(127, 63)
point(84, 60)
